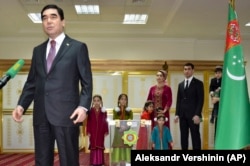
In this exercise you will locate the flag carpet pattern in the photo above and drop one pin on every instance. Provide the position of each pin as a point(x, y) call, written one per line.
point(27, 159)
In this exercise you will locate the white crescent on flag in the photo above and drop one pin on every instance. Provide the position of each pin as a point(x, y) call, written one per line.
point(233, 77)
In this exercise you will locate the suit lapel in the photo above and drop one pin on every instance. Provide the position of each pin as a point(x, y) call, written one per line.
point(192, 82)
point(182, 85)
point(43, 52)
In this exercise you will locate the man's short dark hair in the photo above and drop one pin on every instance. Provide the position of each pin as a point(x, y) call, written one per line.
point(52, 6)
point(189, 64)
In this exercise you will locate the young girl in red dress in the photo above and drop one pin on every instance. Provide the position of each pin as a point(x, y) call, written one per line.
point(143, 140)
point(97, 129)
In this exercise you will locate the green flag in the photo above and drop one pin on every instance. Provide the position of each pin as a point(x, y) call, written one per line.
point(233, 126)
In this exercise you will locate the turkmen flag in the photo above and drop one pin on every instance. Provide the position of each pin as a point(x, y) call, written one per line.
point(233, 127)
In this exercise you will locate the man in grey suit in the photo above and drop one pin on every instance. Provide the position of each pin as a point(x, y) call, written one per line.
point(60, 105)
point(189, 104)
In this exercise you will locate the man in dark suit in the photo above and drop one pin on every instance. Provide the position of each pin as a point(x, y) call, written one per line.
point(189, 104)
point(214, 89)
point(60, 105)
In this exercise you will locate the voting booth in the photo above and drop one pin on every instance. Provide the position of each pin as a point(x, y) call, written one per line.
point(125, 135)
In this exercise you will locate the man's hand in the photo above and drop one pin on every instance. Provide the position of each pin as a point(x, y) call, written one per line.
point(80, 114)
point(196, 119)
point(176, 119)
point(17, 114)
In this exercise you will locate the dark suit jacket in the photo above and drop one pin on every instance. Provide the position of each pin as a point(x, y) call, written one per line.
point(214, 84)
point(57, 94)
point(190, 102)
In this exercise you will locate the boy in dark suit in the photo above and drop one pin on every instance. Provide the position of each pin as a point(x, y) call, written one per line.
point(214, 89)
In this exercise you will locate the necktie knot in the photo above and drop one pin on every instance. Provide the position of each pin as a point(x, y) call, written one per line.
point(53, 43)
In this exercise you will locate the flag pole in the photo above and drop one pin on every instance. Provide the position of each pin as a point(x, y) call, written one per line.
point(233, 3)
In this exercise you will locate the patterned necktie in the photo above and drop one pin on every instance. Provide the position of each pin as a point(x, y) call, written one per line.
point(51, 55)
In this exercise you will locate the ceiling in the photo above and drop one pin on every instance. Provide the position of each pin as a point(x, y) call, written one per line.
point(192, 19)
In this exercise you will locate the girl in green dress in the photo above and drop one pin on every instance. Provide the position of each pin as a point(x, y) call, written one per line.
point(120, 151)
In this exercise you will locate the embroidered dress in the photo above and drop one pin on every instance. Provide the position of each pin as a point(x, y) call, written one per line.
point(161, 138)
point(97, 128)
point(162, 97)
point(121, 151)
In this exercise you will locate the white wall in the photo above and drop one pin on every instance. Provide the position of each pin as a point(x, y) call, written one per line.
point(132, 49)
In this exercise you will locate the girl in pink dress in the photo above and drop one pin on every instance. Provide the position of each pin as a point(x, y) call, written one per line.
point(97, 129)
